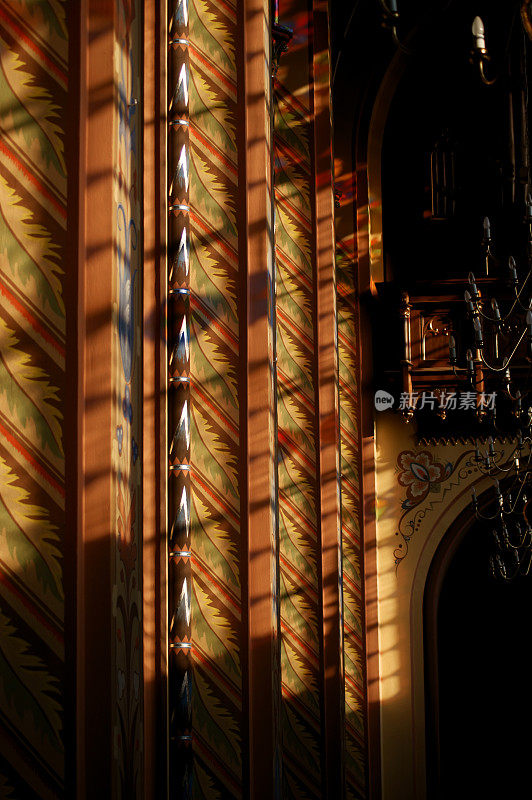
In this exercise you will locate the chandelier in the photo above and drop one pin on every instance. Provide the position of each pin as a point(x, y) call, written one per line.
point(502, 346)
point(496, 354)
point(510, 521)
point(499, 339)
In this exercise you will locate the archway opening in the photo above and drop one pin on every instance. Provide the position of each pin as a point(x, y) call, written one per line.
point(478, 654)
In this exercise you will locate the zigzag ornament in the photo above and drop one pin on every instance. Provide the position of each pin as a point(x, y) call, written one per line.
point(353, 629)
point(33, 180)
point(298, 489)
point(215, 497)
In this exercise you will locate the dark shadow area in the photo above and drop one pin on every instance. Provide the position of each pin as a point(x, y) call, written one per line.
point(478, 658)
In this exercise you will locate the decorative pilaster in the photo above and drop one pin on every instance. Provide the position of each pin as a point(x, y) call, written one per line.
point(127, 408)
point(178, 409)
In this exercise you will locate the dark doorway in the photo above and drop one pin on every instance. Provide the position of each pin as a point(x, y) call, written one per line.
point(478, 637)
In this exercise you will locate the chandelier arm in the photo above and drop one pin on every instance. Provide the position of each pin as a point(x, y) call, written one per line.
point(526, 473)
point(509, 313)
point(518, 448)
point(502, 320)
point(495, 469)
point(523, 307)
point(404, 49)
point(523, 473)
point(504, 469)
point(503, 572)
point(516, 301)
point(484, 57)
point(512, 456)
point(519, 493)
point(492, 319)
point(486, 472)
point(528, 468)
point(508, 360)
point(511, 511)
point(526, 572)
point(485, 80)
point(485, 518)
point(516, 546)
point(510, 395)
point(477, 382)
point(520, 292)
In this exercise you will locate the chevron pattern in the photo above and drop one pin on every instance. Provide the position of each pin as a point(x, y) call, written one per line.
point(215, 403)
point(298, 492)
point(33, 184)
point(353, 630)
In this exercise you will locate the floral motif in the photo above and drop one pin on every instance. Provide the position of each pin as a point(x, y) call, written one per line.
point(420, 474)
point(119, 438)
point(127, 408)
point(126, 530)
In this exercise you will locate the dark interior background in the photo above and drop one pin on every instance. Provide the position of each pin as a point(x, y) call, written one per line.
point(442, 94)
point(481, 642)
point(484, 686)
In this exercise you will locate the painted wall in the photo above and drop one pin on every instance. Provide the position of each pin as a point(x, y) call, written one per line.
point(316, 618)
point(34, 102)
point(222, 446)
point(298, 445)
point(215, 401)
point(421, 490)
point(126, 426)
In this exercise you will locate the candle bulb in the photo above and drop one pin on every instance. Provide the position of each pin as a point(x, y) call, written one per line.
point(495, 307)
point(513, 270)
point(477, 327)
point(452, 350)
point(467, 298)
point(491, 448)
point(493, 571)
point(472, 284)
point(505, 536)
point(487, 229)
point(502, 568)
point(477, 453)
point(479, 38)
point(392, 5)
point(470, 367)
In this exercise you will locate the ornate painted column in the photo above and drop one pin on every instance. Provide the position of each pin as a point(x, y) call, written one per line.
point(38, 281)
point(311, 607)
point(220, 520)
